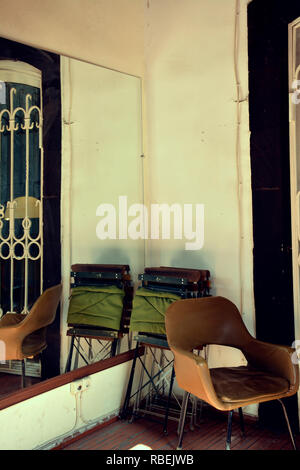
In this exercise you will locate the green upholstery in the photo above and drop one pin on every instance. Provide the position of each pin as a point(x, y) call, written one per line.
point(96, 306)
point(148, 310)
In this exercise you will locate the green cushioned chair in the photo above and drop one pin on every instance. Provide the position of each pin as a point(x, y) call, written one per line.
point(148, 310)
point(96, 306)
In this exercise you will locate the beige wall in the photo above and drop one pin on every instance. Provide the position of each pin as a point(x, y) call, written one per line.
point(101, 160)
point(185, 50)
point(191, 153)
point(93, 30)
point(48, 419)
point(190, 118)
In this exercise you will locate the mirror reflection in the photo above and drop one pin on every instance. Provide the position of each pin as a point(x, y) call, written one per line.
point(69, 132)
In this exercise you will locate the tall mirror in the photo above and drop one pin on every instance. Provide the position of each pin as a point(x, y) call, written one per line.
point(70, 167)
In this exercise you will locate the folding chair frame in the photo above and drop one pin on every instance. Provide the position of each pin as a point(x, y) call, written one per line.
point(109, 340)
point(166, 280)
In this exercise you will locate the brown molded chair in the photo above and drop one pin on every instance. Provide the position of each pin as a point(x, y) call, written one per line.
point(25, 336)
point(270, 373)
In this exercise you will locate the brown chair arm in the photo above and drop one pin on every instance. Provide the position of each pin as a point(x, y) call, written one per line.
point(192, 374)
point(273, 358)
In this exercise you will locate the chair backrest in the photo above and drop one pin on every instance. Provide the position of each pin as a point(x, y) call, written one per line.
point(44, 309)
point(191, 323)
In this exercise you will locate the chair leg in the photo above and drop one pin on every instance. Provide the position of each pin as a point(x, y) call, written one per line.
point(242, 422)
point(169, 401)
point(124, 411)
point(113, 348)
point(69, 360)
point(229, 430)
point(23, 378)
point(288, 425)
point(184, 406)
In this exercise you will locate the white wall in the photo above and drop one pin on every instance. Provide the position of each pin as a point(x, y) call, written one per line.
point(101, 160)
point(190, 124)
point(191, 152)
point(91, 30)
point(47, 419)
point(190, 133)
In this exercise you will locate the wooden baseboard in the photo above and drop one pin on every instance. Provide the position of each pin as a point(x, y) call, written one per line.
point(69, 440)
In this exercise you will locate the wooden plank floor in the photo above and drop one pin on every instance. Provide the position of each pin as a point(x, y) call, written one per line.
point(10, 383)
point(209, 435)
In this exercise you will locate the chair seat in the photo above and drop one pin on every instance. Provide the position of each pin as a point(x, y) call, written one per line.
point(243, 384)
point(34, 343)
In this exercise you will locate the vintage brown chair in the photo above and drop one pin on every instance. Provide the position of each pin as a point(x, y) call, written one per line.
point(25, 336)
point(270, 373)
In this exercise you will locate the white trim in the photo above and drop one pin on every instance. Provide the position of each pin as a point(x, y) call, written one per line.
point(294, 183)
point(20, 72)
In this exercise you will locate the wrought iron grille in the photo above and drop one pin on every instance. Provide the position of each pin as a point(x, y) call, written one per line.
point(21, 208)
point(21, 202)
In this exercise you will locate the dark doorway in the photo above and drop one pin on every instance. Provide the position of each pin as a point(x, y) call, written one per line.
point(268, 22)
point(49, 65)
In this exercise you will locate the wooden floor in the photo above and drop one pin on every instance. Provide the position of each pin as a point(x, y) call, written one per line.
point(210, 435)
point(10, 383)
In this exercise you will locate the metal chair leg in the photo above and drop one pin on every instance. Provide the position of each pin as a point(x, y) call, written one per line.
point(288, 425)
point(169, 401)
point(138, 395)
point(201, 411)
point(23, 379)
point(242, 422)
point(113, 349)
point(185, 401)
point(229, 430)
point(69, 360)
point(193, 412)
point(124, 411)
